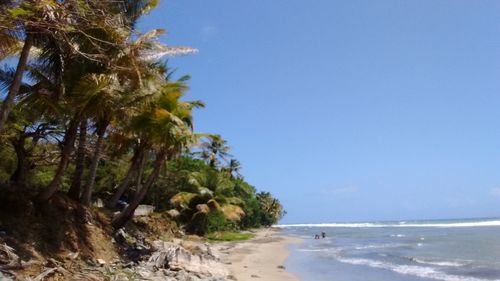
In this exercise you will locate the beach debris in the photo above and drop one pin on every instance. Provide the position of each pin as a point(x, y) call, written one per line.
point(45, 273)
point(177, 258)
point(9, 260)
point(143, 210)
point(173, 213)
point(8, 255)
point(5, 278)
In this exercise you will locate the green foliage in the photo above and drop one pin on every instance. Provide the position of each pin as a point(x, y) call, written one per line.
point(7, 163)
point(193, 187)
point(230, 236)
point(216, 221)
point(98, 86)
point(42, 176)
point(19, 12)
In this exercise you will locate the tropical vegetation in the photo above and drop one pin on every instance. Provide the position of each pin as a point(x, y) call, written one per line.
point(92, 110)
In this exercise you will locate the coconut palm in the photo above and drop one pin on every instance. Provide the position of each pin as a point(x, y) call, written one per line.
point(213, 150)
point(166, 128)
point(212, 190)
point(65, 24)
point(272, 208)
point(74, 190)
point(233, 168)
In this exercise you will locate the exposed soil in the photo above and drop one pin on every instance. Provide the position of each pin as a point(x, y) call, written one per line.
point(65, 235)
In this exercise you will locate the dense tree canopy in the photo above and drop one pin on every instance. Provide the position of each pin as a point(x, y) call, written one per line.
point(91, 109)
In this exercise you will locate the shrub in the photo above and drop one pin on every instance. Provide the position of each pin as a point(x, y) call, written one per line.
point(216, 221)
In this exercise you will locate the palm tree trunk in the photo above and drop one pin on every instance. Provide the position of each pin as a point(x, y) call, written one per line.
point(19, 176)
point(16, 82)
point(138, 182)
point(122, 218)
point(68, 147)
point(74, 190)
point(89, 186)
point(138, 155)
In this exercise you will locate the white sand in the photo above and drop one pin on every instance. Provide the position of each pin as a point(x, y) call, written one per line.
point(261, 258)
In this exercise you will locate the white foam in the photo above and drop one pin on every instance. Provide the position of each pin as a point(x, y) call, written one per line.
point(439, 263)
point(313, 250)
point(399, 225)
point(419, 271)
point(379, 246)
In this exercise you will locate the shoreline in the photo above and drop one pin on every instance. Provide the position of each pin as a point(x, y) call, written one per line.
point(261, 257)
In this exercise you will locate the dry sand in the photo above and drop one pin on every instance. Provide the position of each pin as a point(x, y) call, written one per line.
point(261, 258)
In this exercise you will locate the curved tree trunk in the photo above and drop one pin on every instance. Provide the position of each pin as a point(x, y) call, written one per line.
point(16, 82)
point(138, 155)
point(121, 219)
point(74, 190)
point(89, 186)
point(68, 147)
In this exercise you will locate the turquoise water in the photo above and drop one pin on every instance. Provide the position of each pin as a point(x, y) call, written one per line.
point(449, 250)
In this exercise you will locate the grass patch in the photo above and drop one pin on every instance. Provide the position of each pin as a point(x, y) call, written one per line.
point(230, 236)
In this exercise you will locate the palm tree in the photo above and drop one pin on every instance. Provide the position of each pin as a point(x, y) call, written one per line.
point(273, 210)
point(79, 100)
point(233, 168)
point(102, 106)
point(214, 149)
point(38, 23)
point(166, 127)
point(212, 190)
point(125, 66)
point(74, 190)
point(140, 79)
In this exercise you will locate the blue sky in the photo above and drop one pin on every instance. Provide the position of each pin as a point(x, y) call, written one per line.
point(351, 110)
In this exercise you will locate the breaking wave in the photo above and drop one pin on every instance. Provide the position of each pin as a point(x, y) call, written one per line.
point(400, 225)
point(414, 270)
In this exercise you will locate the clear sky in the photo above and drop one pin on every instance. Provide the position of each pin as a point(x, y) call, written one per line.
point(351, 110)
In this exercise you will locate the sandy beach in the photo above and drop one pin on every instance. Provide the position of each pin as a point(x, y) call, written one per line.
point(262, 257)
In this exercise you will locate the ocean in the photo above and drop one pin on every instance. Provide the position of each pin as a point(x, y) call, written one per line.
point(449, 250)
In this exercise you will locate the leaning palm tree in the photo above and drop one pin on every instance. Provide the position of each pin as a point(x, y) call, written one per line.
point(88, 86)
point(131, 63)
point(102, 106)
point(131, 133)
point(166, 126)
point(38, 23)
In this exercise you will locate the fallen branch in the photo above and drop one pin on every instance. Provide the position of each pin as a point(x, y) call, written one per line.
point(45, 274)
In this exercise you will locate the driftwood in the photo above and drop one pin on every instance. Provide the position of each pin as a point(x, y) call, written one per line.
point(13, 262)
point(11, 256)
point(178, 258)
point(46, 273)
point(10, 261)
point(50, 271)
